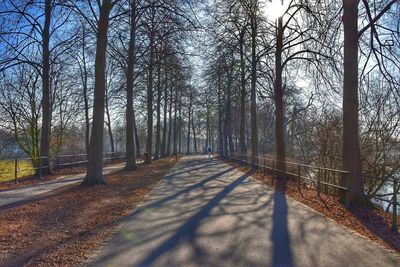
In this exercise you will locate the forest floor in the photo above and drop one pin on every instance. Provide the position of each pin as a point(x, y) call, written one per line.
point(372, 223)
point(62, 228)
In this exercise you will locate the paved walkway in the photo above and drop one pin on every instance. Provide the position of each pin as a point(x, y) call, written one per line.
point(13, 197)
point(205, 213)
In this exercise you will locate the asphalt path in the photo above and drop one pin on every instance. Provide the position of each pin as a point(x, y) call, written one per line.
point(14, 197)
point(206, 213)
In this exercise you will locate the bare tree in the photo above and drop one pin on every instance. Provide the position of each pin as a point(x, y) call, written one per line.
point(130, 120)
point(94, 175)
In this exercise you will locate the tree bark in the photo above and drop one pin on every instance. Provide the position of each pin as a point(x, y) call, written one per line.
point(175, 148)
point(94, 174)
point(228, 119)
point(110, 134)
point(208, 124)
point(279, 105)
point(137, 141)
point(164, 136)
point(220, 133)
point(46, 108)
point(130, 163)
point(180, 126)
point(189, 121)
point(253, 93)
point(149, 140)
point(170, 124)
point(351, 147)
point(158, 123)
point(194, 136)
point(85, 92)
point(242, 127)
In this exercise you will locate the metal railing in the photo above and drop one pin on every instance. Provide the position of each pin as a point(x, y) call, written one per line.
point(321, 179)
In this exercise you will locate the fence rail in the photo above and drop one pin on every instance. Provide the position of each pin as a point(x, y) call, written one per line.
point(22, 167)
point(33, 167)
point(321, 178)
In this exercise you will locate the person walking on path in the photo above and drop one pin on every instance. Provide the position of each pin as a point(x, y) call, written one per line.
point(209, 152)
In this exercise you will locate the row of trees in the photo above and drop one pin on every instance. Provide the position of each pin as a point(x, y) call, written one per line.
point(285, 65)
point(314, 81)
point(75, 73)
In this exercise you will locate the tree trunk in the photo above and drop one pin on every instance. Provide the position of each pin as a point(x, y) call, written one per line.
point(253, 103)
point(228, 119)
point(279, 108)
point(170, 124)
point(164, 136)
point(85, 92)
point(94, 174)
point(189, 121)
point(207, 124)
point(180, 126)
point(149, 140)
point(130, 163)
point(158, 123)
point(46, 109)
point(242, 129)
point(137, 141)
point(194, 135)
point(175, 149)
point(220, 134)
point(351, 146)
point(110, 134)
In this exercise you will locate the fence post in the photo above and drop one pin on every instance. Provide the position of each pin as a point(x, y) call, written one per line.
point(273, 169)
point(16, 171)
point(58, 163)
point(347, 190)
point(298, 177)
point(318, 181)
point(265, 170)
point(40, 168)
point(394, 219)
point(72, 165)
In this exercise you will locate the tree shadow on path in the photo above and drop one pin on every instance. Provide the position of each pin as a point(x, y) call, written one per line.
point(188, 230)
point(282, 254)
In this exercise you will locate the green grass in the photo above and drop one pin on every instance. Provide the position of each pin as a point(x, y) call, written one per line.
point(7, 168)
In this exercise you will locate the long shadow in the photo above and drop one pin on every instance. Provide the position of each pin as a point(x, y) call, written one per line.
point(160, 202)
point(193, 169)
point(183, 191)
point(282, 254)
point(188, 230)
point(376, 223)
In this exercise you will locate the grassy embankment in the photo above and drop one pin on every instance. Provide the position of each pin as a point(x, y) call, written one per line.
point(7, 169)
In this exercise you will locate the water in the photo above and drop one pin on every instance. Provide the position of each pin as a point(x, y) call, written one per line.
point(386, 189)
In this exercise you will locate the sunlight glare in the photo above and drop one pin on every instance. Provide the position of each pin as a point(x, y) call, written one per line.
point(273, 9)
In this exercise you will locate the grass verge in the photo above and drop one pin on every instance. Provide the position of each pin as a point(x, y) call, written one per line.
point(7, 170)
